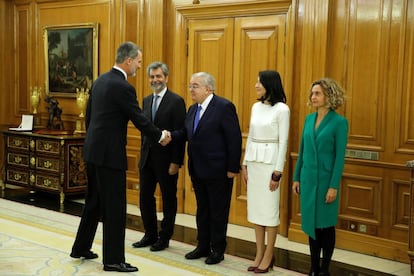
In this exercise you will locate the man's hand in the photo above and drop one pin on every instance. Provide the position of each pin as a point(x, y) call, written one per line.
point(173, 169)
point(231, 174)
point(167, 138)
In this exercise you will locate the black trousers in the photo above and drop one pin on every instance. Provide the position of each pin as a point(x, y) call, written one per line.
point(151, 174)
point(106, 200)
point(213, 207)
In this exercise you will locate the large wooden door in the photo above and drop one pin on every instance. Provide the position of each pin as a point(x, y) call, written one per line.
point(234, 50)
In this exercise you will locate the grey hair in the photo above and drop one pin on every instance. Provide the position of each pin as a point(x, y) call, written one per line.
point(156, 65)
point(127, 50)
point(206, 79)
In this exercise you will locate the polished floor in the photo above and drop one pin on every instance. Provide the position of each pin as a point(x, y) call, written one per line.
point(289, 255)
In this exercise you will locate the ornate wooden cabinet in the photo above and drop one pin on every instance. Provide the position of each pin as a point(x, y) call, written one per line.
point(52, 163)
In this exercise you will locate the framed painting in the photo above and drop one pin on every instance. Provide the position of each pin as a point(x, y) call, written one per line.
point(71, 58)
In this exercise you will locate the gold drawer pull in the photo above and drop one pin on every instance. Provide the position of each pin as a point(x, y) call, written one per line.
point(32, 178)
point(47, 182)
point(17, 177)
point(47, 146)
point(18, 143)
point(47, 164)
point(32, 144)
point(17, 159)
point(32, 161)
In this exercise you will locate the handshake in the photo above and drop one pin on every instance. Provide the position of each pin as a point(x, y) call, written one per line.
point(166, 137)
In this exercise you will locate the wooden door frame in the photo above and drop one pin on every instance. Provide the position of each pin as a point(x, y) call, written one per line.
point(181, 11)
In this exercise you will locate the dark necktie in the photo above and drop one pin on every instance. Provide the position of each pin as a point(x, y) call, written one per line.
point(197, 118)
point(154, 106)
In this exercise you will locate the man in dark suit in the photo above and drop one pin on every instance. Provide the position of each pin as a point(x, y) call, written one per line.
point(160, 164)
point(112, 104)
point(214, 148)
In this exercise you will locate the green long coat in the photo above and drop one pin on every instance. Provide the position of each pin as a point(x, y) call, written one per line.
point(319, 167)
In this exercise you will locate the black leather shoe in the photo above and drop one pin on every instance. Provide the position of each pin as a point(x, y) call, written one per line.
point(160, 245)
point(214, 258)
point(86, 255)
point(145, 241)
point(122, 267)
point(197, 253)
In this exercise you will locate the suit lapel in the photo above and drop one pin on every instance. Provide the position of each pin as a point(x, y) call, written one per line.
point(207, 113)
point(146, 106)
point(161, 105)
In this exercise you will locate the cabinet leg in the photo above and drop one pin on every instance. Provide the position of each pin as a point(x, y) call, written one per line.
point(62, 197)
point(2, 185)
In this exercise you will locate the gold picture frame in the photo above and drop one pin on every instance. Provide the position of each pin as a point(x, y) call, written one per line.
point(71, 58)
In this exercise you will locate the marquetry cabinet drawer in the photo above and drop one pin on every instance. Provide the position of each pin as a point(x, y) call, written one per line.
point(48, 147)
point(18, 142)
point(47, 164)
point(18, 159)
point(51, 163)
point(47, 182)
point(17, 177)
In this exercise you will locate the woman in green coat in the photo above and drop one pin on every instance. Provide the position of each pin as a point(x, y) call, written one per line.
point(319, 170)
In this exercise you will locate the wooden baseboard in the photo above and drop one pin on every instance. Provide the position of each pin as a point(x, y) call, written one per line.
point(356, 242)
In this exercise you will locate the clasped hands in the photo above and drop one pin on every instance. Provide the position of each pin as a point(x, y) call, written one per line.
point(167, 138)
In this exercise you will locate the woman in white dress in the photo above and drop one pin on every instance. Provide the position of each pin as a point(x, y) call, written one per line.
point(263, 164)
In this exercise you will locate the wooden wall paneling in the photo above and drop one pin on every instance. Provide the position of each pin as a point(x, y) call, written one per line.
point(400, 209)
point(210, 49)
point(361, 200)
point(6, 69)
point(410, 166)
point(404, 106)
point(185, 12)
point(366, 73)
point(261, 42)
point(7, 65)
point(311, 43)
point(130, 31)
point(363, 55)
point(75, 12)
point(313, 48)
point(22, 59)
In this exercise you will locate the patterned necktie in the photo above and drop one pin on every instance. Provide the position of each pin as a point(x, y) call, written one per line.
point(154, 106)
point(197, 117)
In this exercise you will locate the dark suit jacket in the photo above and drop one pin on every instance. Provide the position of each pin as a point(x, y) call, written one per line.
point(170, 116)
point(112, 103)
point(215, 147)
